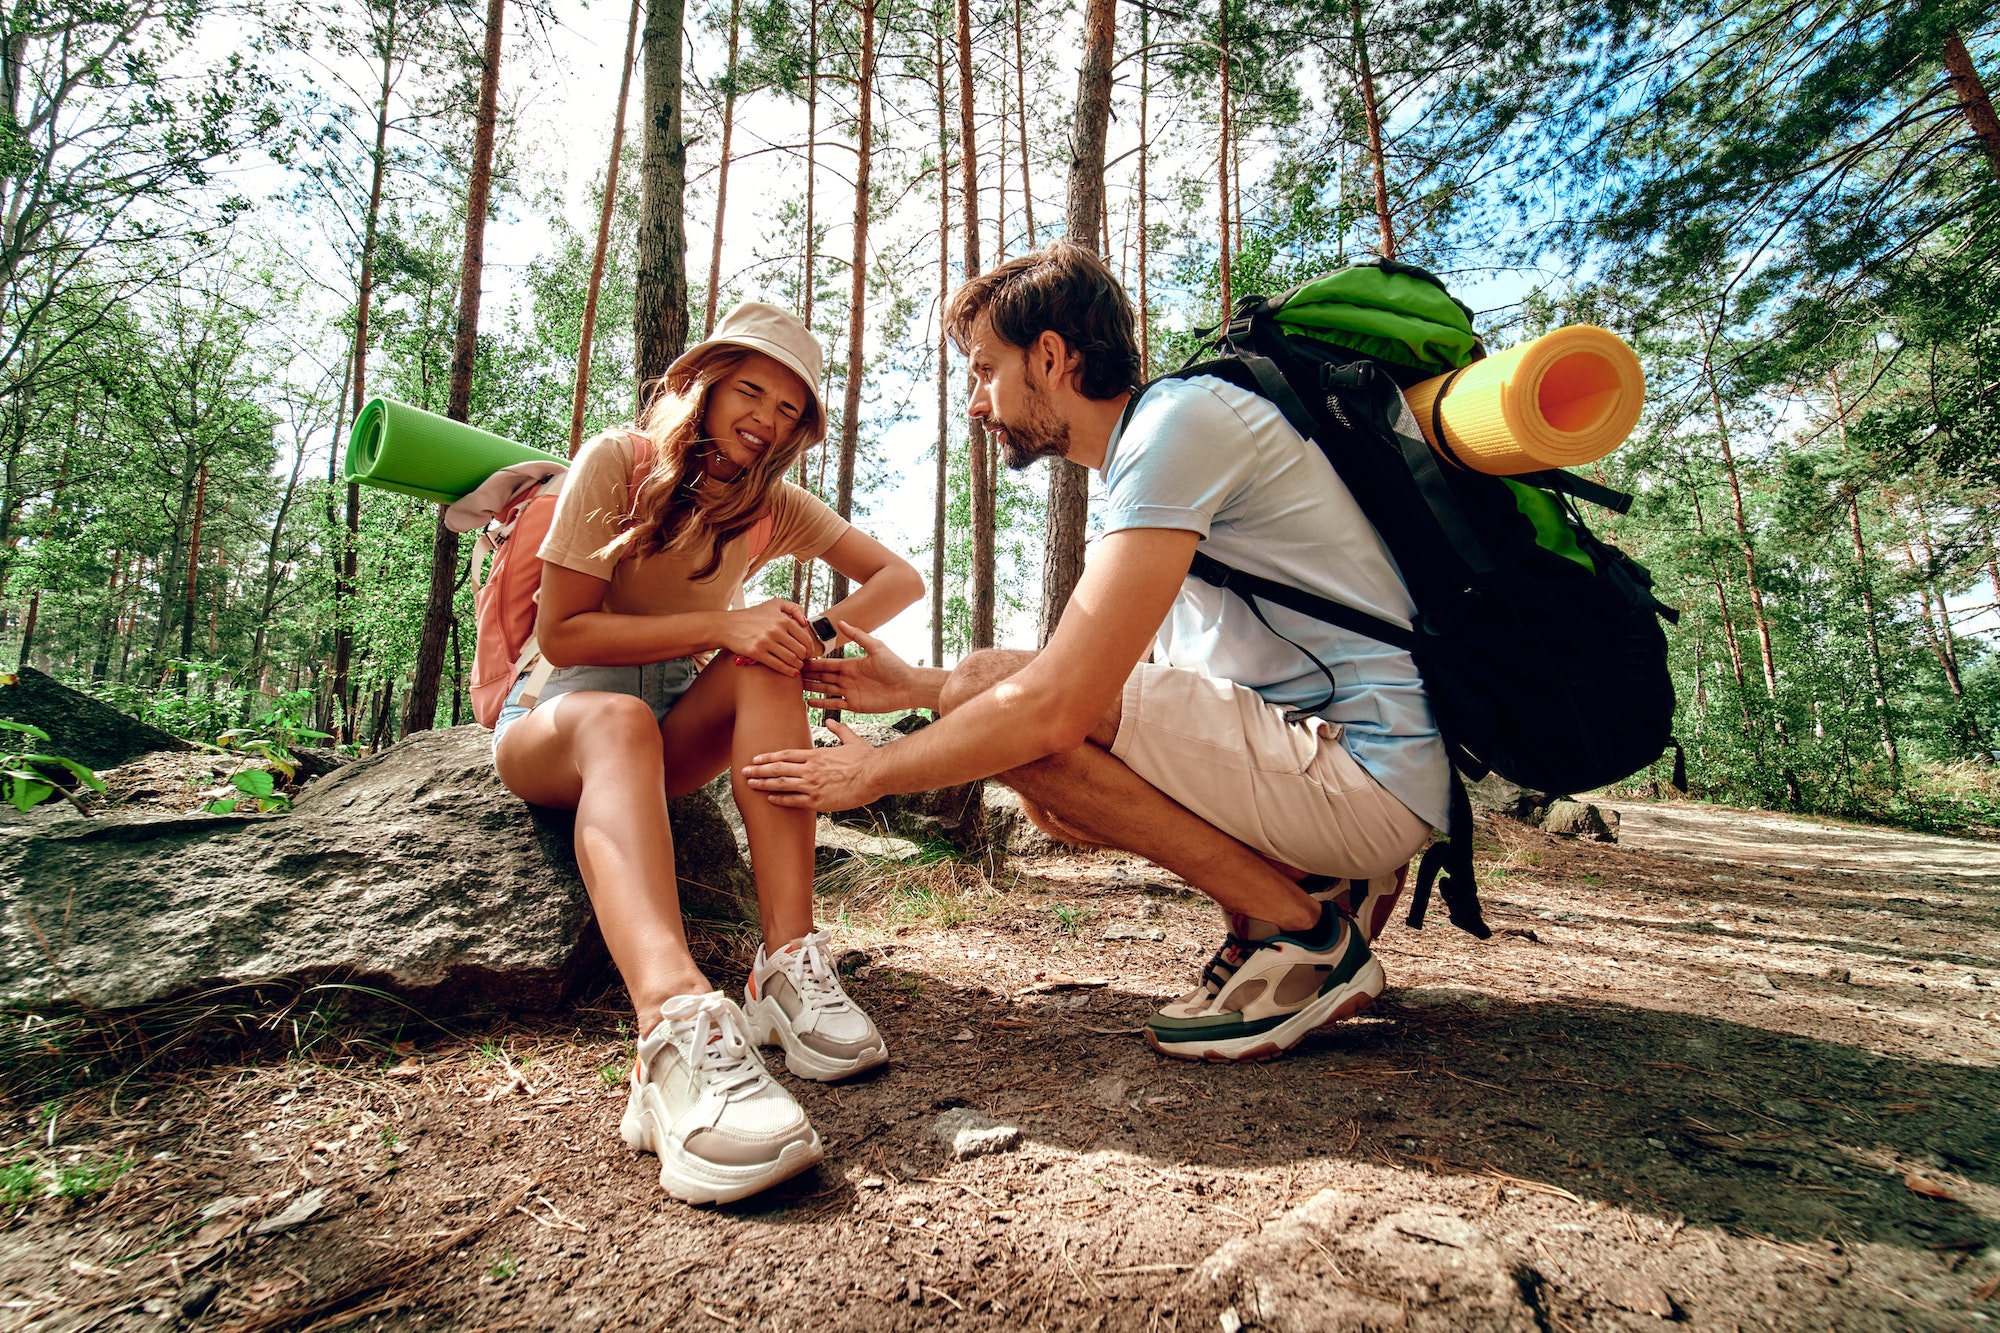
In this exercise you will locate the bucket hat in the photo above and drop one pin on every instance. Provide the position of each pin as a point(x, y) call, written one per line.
point(770, 329)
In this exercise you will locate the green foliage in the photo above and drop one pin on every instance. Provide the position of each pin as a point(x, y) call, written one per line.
point(28, 777)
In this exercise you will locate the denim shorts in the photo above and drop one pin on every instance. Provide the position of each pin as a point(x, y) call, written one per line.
point(660, 684)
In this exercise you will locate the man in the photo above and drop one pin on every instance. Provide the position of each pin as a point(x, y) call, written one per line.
point(1258, 749)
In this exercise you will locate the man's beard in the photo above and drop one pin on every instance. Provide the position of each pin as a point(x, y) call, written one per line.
point(1038, 434)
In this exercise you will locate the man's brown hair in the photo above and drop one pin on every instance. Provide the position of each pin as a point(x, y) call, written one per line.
point(1064, 289)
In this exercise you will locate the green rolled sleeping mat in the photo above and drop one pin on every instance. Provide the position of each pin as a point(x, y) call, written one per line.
point(396, 447)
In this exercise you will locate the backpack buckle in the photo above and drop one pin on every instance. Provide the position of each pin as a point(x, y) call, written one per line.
point(1237, 328)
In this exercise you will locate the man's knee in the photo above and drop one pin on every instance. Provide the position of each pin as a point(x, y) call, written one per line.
point(978, 673)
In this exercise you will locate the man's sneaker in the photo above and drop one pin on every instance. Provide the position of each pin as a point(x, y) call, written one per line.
point(794, 1000)
point(703, 1101)
point(1257, 998)
point(1369, 903)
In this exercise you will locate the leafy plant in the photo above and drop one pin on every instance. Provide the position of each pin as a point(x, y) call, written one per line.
point(260, 793)
point(1069, 920)
point(19, 1182)
point(504, 1267)
point(28, 777)
point(84, 1179)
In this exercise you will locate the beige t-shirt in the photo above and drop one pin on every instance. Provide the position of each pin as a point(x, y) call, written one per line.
point(595, 495)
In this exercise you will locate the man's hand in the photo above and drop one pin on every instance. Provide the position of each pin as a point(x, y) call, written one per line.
point(834, 778)
point(881, 682)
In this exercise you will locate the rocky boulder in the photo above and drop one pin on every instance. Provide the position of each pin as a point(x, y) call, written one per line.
point(1563, 816)
point(952, 815)
point(414, 871)
point(1577, 819)
point(87, 730)
point(1009, 832)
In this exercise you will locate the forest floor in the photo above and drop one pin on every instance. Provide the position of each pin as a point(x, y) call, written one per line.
point(1737, 1071)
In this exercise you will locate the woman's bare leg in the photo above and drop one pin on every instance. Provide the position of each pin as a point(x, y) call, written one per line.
point(599, 754)
point(728, 716)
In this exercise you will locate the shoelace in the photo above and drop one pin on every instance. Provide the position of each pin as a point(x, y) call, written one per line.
point(718, 1047)
point(814, 976)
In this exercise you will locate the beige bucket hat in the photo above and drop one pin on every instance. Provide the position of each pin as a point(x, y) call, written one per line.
point(770, 329)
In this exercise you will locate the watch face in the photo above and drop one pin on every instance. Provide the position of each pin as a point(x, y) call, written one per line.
point(824, 631)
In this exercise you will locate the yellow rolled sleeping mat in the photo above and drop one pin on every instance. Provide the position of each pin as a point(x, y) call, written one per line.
point(1567, 398)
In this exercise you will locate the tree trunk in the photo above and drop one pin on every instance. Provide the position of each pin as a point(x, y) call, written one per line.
point(1728, 620)
point(722, 177)
point(1972, 98)
point(1222, 150)
point(1069, 484)
point(985, 491)
point(581, 395)
point(660, 307)
point(1145, 151)
point(812, 162)
point(1021, 112)
point(1866, 585)
point(343, 583)
point(1373, 115)
point(941, 498)
point(1763, 623)
point(801, 571)
point(857, 288)
point(193, 574)
point(420, 704)
point(271, 580)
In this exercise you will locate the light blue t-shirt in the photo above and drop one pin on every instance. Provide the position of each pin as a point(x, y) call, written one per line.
point(1201, 455)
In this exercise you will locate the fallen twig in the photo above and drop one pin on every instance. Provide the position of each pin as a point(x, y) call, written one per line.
point(382, 1275)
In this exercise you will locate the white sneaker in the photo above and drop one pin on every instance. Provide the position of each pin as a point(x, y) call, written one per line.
point(1369, 903)
point(704, 1103)
point(794, 1000)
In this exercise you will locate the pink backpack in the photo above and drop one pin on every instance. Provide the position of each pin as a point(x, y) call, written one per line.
point(515, 507)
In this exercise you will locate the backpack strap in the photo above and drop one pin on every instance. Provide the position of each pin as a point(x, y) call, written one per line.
point(1253, 587)
point(1448, 865)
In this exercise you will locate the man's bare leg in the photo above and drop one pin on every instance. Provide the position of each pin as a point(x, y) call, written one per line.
point(1090, 795)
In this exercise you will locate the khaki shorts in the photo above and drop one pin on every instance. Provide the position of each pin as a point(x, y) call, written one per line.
point(1290, 791)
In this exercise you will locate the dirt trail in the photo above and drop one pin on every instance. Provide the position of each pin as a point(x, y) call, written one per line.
point(1738, 1071)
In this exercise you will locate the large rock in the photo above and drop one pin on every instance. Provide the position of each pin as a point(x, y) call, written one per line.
point(1418, 1267)
point(1009, 831)
point(1576, 819)
point(413, 871)
point(951, 815)
point(87, 730)
point(1493, 794)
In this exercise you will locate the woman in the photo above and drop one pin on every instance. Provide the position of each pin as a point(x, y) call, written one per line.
point(635, 586)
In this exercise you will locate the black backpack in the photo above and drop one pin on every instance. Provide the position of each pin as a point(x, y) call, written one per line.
point(1539, 646)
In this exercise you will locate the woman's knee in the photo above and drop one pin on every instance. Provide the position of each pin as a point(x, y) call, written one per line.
point(607, 726)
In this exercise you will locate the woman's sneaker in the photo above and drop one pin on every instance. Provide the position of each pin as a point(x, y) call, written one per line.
point(1369, 903)
point(794, 1000)
point(1257, 998)
point(703, 1101)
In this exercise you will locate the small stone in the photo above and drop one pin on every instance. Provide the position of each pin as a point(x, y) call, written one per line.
point(1783, 1108)
point(196, 1297)
point(969, 1134)
point(1840, 976)
point(1636, 1294)
point(1232, 1322)
point(872, 1182)
point(1108, 1091)
point(1125, 930)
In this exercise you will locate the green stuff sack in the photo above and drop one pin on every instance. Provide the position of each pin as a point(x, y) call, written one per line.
point(396, 447)
point(1385, 311)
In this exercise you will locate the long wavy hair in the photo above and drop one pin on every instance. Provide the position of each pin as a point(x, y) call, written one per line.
point(669, 513)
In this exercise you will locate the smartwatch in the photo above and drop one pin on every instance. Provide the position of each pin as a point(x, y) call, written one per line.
point(824, 631)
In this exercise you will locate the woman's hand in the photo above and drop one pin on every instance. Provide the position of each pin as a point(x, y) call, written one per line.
point(775, 634)
point(881, 682)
